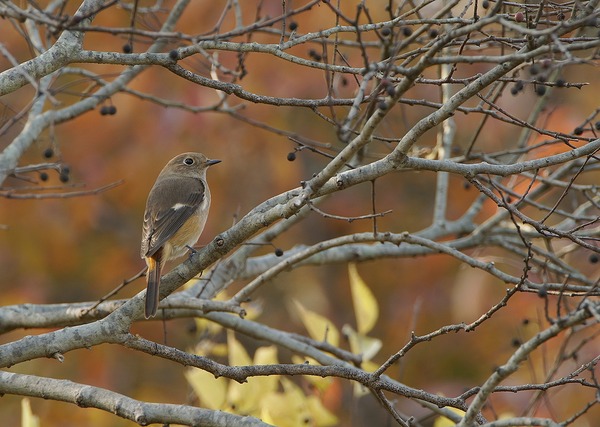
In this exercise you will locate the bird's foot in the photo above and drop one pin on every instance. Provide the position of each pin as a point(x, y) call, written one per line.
point(192, 251)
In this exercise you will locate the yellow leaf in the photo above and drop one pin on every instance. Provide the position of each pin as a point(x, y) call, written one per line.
point(266, 355)
point(319, 383)
point(447, 422)
point(219, 350)
point(266, 384)
point(361, 344)
point(286, 409)
point(207, 347)
point(243, 398)
point(281, 410)
point(210, 390)
point(320, 415)
point(366, 308)
point(246, 398)
point(28, 419)
point(369, 366)
point(367, 347)
point(319, 327)
point(253, 309)
point(238, 356)
point(292, 408)
point(292, 390)
point(205, 326)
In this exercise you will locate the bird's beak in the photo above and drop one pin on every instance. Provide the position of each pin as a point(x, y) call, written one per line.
point(212, 162)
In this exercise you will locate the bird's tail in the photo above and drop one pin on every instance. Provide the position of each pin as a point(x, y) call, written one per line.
point(152, 289)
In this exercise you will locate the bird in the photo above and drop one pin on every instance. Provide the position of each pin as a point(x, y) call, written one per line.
point(174, 217)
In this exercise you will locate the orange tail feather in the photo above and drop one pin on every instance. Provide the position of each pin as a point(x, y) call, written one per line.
point(152, 289)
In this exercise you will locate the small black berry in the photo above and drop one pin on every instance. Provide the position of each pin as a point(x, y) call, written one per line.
point(44, 176)
point(534, 69)
point(65, 169)
point(104, 110)
point(278, 252)
point(433, 33)
point(540, 90)
point(382, 105)
point(597, 125)
point(291, 156)
point(578, 130)
point(542, 292)
point(111, 110)
point(48, 152)
point(64, 177)
point(293, 26)
point(174, 55)
point(516, 342)
point(385, 32)
point(593, 258)
point(127, 48)
point(314, 55)
point(485, 4)
point(406, 31)
point(560, 83)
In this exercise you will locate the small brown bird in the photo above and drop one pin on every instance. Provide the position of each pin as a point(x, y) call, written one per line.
point(174, 218)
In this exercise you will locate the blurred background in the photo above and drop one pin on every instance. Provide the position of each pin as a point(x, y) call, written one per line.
point(79, 249)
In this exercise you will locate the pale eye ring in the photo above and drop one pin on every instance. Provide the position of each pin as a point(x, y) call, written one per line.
point(188, 161)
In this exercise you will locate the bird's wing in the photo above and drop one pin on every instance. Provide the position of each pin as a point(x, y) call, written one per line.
point(171, 203)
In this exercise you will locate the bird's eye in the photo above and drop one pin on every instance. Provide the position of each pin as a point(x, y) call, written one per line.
point(188, 161)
